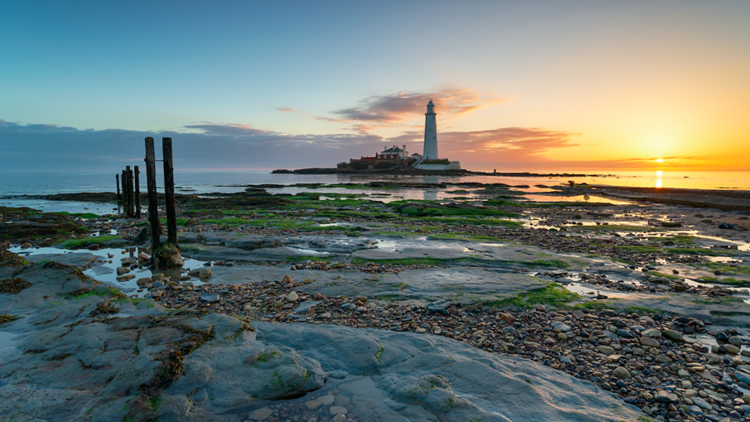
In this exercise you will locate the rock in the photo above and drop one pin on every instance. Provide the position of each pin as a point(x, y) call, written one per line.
point(93, 247)
point(507, 318)
point(167, 257)
point(653, 333)
point(122, 270)
point(560, 326)
point(142, 282)
point(308, 280)
point(292, 297)
point(731, 348)
point(205, 273)
point(540, 308)
point(126, 277)
point(735, 340)
point(478, 333)
point(648, 341)
point(674, 335)
point(621, 372)
point(260, 414)
point(339, 418)
point(306, 307)
point(742, 376)
point(438, 306)
point(338, 410)
point(313, 404)
point(663, 396)
point(701, 403)
point(210, 298)
point(605, 350)
point(286, 279)
point(327, 399)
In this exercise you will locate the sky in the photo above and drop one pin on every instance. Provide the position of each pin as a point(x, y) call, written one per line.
point(250, 85)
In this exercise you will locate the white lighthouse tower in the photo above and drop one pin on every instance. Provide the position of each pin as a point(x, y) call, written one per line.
point(430, 134)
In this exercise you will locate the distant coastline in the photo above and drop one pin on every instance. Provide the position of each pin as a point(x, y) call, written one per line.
point(420, 172)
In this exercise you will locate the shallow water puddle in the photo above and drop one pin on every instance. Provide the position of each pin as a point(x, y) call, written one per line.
point(104, 271)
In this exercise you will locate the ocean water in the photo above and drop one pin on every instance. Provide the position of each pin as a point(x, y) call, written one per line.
point(203, 182)
point(12, 185)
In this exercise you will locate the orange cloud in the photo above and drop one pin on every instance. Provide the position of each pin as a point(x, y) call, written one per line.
point(404, 106)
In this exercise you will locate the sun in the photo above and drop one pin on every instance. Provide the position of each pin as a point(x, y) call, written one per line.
point(659, 160)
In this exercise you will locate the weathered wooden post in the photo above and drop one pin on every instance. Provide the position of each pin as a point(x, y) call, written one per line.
point(124, 181)
point(131, 190)
point(137, 193)
point(117, 182)
point(166, 145)
point(128, 193)
point(153, 210)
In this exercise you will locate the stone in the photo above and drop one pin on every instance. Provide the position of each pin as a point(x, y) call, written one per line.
point(260, 414)
point(122, 270)
point(126, 277)
point(742, 376)
point(560, 326)
point(605, 350)
point(210, 298)
point(701, 403)
point(168, 257)
point(338, 418)
point(308, 280)
point(292, 296)
point(507, 318)
point(654, 333)
point(649, 341)
point(327, 399)
point(731, 348)
point(674, 335)
point(438, 306)
point(313, 404)
point(286, 279)
point(338, 410)
point(621, 372)
point(736, 340)
point(663, 396)
point(204, 273)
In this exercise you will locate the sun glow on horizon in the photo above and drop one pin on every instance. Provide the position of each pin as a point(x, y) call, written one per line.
point(659, 160)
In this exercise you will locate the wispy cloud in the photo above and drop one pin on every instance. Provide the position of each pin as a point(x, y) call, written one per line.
point(46, 147)
point(404, 106)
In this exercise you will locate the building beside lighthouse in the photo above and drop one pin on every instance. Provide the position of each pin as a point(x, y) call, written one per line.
point(430, 160)
point(395, 157)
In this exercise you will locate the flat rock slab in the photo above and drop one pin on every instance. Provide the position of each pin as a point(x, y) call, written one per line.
point(465, 284)
point(65, 363)
point(77, 259)
point(459, 284)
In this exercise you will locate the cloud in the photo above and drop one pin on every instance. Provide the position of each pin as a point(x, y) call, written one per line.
point(515, 143)
point(403, 106)
point(45, 147)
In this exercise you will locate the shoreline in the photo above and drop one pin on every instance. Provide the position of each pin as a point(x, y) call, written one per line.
point(601, 298)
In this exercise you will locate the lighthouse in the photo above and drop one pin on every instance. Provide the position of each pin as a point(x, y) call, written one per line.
point(430, 134)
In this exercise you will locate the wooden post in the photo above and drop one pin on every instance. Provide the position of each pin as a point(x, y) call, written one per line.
point(131, 191)
point(123, 181)
point(117, 180)
point(128, 194)
point(166, 146)
point(153, 210)
point(137, 193)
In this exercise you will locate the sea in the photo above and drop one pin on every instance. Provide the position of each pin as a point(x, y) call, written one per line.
point(13, 185)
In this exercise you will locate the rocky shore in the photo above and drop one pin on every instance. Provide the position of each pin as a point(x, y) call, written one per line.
point(352, 309)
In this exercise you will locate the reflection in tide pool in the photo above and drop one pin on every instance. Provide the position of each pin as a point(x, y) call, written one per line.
point(104, 271)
